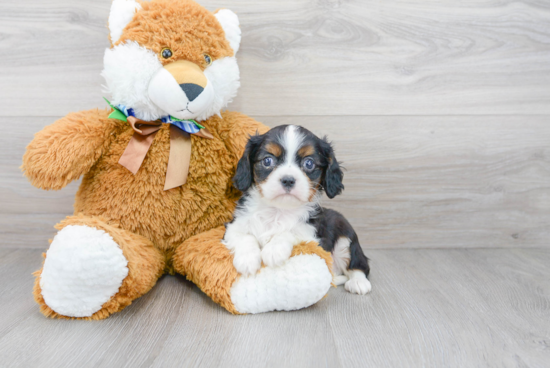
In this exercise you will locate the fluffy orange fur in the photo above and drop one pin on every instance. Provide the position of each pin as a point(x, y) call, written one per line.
point(89, 143)
point(193, 31)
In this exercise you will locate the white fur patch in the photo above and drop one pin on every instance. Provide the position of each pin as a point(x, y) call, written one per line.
point(357, 283)
point(340, 280)
point(224, 77)
point(300, 282)
point(128, 69)
point(230, 24)
point(84, 268)
point(271, 230)
point(274, 231)
point(291, 141)
point(341, 256)
point(265, 222)
point(278, 249)
point(122, 13)
point(247, 258)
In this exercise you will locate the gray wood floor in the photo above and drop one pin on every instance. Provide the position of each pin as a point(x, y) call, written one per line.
point(441, 114)
point(428, 308)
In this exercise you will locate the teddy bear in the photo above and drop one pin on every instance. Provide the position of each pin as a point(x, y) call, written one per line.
point(157, 167)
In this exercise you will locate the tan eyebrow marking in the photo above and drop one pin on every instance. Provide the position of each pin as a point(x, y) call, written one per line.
point(306, 151)
point(274, 149)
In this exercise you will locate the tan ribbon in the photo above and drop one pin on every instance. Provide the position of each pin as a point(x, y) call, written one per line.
point(180, 150)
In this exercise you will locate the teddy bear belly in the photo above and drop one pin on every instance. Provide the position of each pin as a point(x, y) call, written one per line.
point(179, 216)
point(139, 203)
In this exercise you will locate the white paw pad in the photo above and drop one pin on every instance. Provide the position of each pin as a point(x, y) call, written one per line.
point(358, 285)
point(247, 262)
point(84, 268)
point(274, 255)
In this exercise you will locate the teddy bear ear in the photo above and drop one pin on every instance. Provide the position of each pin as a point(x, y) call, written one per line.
point(122, 12)
point(230, 24)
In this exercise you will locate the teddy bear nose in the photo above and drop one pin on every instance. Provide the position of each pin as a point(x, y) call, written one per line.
point(191, 90)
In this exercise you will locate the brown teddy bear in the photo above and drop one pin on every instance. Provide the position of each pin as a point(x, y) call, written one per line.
point(158, 168)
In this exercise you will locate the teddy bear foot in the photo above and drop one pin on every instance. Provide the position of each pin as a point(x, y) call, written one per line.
point(84, 268)
point(94, 269)
point(301, 281)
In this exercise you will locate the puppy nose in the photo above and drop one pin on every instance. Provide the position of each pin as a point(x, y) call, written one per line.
point(288, 182)
point(191, 90)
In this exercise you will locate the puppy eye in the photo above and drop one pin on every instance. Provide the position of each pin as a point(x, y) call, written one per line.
point(268, 161)
point(166, 53)
point(308, 164)
point(208, 59)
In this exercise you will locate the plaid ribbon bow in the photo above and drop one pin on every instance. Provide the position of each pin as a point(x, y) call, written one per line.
point(144, 133)
point(190, 126)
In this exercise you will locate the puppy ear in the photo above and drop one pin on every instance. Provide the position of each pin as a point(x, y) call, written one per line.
point(333, 175)
point(244, 176)
point(230, 24)
point(122, 13)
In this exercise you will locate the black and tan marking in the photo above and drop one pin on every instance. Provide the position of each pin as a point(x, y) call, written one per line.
point(325, 175)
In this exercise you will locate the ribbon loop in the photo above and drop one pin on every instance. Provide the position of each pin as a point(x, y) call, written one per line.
point(144, 134)
point(143, 127)
point(139, 144)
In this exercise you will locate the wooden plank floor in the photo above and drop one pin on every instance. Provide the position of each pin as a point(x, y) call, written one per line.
point(428, 308)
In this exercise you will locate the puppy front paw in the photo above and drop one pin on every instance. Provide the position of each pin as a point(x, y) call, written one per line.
point(275, 253)
point(247, 262)
point(357, 285)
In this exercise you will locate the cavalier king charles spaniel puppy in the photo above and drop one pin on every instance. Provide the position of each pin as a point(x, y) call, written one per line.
point(282, 175)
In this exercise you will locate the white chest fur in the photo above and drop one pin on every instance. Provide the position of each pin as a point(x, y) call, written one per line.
point(267, 222)
point(264, 221)
point(264, 233)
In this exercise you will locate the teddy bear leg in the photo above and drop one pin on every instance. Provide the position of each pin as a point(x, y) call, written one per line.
point(301, 281)
point(93, 269)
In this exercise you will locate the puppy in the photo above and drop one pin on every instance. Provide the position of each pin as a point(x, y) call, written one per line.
point(282, 175)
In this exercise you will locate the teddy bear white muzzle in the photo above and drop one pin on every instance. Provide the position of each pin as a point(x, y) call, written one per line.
point(181, 90)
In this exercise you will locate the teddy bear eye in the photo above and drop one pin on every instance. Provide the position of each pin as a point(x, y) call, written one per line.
point(166, 53)
point(208, 59)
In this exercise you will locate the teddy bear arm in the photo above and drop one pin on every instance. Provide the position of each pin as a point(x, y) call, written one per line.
point(67, 149)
